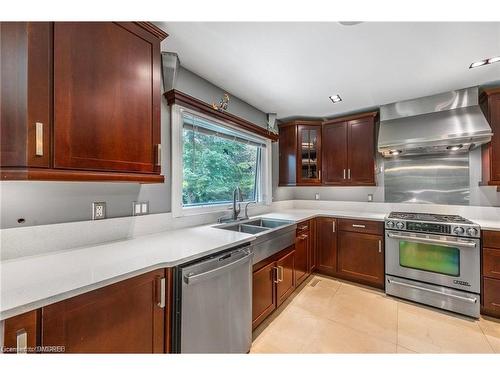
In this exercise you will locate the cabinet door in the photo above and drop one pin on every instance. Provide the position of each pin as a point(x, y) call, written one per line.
point(301, 257)
point(491, 297)
point(21, 333)
point(494, 104)
point(263, 293)
point(309, 158)
point(326, 243)
point(287, 155)
point(121, 318)
point(312, 246)
point(361, 152)
point(361, 258)
point(286, 277)
point(106, 97)
point(334, 153)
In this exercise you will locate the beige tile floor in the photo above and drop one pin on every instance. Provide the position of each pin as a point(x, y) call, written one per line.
point(332, 316)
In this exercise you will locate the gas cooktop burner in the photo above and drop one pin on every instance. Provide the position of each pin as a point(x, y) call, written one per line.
point(429, 217)
point(432, 223)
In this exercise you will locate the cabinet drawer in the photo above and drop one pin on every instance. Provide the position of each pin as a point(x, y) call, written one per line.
point(491, 296)
point(491, 239)
point(491, 263)
point(303, 227)
point(361, 226)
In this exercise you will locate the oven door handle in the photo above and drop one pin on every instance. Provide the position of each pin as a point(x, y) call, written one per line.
point(432, 241)
point(465, 299)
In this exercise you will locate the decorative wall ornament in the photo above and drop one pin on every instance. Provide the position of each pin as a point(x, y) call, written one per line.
point(271, 123)
point(223, 103)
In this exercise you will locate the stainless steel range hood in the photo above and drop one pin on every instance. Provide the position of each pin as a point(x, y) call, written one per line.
point(448, 122)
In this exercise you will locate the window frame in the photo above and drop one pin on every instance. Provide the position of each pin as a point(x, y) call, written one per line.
point(264, 189)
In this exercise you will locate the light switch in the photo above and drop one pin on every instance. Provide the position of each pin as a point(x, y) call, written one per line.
point(140, 208)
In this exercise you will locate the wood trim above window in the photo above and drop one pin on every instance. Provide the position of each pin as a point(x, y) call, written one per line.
point(178, 97)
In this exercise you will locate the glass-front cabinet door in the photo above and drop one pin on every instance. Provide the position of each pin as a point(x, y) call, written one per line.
point(309, 154)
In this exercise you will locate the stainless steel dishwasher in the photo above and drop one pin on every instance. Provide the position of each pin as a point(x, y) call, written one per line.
point(213, 304)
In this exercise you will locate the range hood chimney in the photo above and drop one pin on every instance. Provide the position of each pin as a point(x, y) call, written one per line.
point(447, 122)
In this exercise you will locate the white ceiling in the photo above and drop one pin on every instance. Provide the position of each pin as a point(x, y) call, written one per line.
point(291, 68)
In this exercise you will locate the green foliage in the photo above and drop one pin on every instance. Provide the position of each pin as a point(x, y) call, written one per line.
point(214, 166)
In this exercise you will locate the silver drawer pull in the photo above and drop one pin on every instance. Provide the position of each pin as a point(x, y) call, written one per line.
point(21, 341)
point(359, 226)
point(344, 174)
point(39, 139)
point(379, 246)
point(333, 226)
point(465, 299)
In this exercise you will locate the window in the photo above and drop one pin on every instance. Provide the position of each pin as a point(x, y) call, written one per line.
point(213, 159)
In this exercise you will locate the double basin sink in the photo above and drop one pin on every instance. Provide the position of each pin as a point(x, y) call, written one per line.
point(272, 235)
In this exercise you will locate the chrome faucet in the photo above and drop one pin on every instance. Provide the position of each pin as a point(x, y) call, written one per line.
point(236, 195)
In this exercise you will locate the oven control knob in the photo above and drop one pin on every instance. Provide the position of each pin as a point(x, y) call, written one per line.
point(458, 231)
point(400, 225)
point(390, 224)
point(472, 232)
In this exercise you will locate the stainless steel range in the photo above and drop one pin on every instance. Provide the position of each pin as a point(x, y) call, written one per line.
point(434, 259)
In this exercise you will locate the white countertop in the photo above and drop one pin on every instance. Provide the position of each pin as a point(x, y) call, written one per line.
point(31, 282)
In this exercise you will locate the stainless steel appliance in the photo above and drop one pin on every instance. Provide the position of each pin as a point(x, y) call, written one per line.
point(213, 304)
point(442, 123)
point(434, 259)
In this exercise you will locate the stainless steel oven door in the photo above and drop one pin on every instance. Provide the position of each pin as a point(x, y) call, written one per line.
point(442, 260)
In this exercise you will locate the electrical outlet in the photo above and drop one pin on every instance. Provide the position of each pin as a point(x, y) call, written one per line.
point(140, 208)
point(316, 196)
point(98, 210)
point(370, 197)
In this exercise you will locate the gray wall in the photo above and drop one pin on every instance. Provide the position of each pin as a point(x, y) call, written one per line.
point(55, 202)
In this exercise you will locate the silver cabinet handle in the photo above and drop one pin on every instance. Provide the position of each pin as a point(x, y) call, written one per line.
point(465, 299)
point(39, 139)
point(359, 226)
point(161, 303)
point(379, 246)
point(158, 154)
point(344, 173)
point(319, 174)
point(21, 341)
point(432, 241)
point(349, 174)
point(280, 273)
point(277, 276)
point(333, 226)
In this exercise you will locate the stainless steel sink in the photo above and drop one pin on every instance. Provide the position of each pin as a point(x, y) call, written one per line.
point(272, 235)
point(244, 228)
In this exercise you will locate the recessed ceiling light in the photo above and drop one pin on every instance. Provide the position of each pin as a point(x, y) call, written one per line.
point(335, 98)
point(478, 63)
point(491, 60)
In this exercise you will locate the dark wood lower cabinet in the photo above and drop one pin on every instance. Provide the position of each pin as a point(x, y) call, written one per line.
point(326, 245)
point(273, 282)
point(263, 293)
point(361, 258)
point(121, 318)
point(22, 332)
point(491, 297)
point(302, 270)
point(286, 277)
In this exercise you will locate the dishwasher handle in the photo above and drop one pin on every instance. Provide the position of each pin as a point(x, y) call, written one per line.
point(195, 278)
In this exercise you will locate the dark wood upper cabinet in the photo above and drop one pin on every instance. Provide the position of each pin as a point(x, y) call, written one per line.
point(348, 151)
point(120, 318)
point(335, 153)
point(300, 153)
point(26, 100)
point(81, 101)
point(326, 245)
point(490, 104)
point(340, 151)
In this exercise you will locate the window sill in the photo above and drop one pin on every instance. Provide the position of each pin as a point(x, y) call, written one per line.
point(218, 208)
